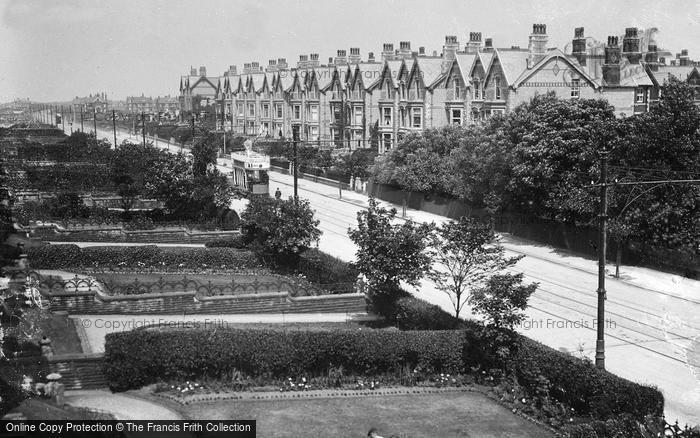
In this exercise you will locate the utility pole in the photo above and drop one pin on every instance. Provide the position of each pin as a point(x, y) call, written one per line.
point(296, 160)
point(94, 121)
point(602, 246)
point(114, 127)
point(63, 119)
point(81, 119)
point(143, 128)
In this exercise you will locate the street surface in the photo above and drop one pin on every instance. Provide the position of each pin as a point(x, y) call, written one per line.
point(652, 318)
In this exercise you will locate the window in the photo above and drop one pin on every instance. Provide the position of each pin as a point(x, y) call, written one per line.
point(477, 89)
point(251, 109)
point(457, 89)
point(297, 112)
point(402, 117)
point(359, 113)
point(497, 87)
point(575, 88)
point(239, 108)
point(640, 95)
point(278, 110)
point(266, 128)
point(386, 141)
point(387, 117)
point(313, 113)
point(266, 110)
point(416, 117)
point(456, 116)
point(278, 129)
point(313, 133)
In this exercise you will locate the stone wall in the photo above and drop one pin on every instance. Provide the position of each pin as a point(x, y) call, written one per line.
point(92, 303)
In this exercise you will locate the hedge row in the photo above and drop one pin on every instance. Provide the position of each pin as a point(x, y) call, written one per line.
point(137, 358)
point(144, 257)
point(582, 386)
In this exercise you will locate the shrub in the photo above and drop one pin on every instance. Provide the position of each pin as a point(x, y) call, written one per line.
point(416, 314)
point(585, 388)
point(12, 396)
point(323, 268)
point(137, 358)
point(234, 242)
point(140, 257)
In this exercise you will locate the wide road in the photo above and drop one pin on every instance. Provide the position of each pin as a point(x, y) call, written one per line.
point(652, 336)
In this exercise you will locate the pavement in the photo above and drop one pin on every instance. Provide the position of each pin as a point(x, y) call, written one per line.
point(652, 318)
point(122, 406)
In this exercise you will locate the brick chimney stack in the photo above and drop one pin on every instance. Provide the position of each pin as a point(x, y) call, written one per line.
point(474, 43)
point(631, 45)
point(271, 65)
point(405, 50)
point(388, 52)
point(202, 71)
point(421, 51)
point(282, 64)
point(579, 46)
point(651, 58)
point(313, 61)
point(488, 45)
point(370, 57)
point(354, 57)
point(193, 71)
point(611, 67)
point(341, 57)
point(303, 61)
point(684, 59)
point(449, 51)
point(537, 45)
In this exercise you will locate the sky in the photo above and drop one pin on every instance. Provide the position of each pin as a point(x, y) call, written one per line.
point(55, 50)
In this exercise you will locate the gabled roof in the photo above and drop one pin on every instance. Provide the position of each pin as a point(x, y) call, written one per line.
point(665, 72)
point(465, 62)
point(286, 79)
point(513, 62)
point(336, 76)
point(559, 56)
point(324, 76)
point(430, 70)
point(369, 73)
point(256, 81)
point(634, 75)
point(485, 58)
point(210, 80)
point(395, 67)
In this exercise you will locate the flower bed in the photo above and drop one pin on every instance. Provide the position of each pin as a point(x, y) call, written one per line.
point(141, 257)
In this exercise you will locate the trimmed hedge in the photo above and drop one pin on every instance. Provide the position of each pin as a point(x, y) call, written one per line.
point(415, 314)
point(143, 257)
point(582, 386)
point(138, 358)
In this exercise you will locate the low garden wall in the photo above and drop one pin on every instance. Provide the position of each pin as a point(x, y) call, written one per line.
point(116, 232)
point(93, 303)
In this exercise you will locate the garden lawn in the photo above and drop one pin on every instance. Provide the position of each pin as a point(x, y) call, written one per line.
point(464, 414)
point(61, 329)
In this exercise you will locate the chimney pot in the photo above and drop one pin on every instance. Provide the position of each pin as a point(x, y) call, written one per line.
point(578, 32)
point(421, 50)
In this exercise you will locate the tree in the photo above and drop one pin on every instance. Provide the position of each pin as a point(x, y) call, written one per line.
point(389, 253)
point(502, 300)
point(280, 230)
point(204, 153)
point(357, 164)
point(466, 254)
point(6, 226)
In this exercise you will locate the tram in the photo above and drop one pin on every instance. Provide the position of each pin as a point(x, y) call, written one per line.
point(249, 172)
